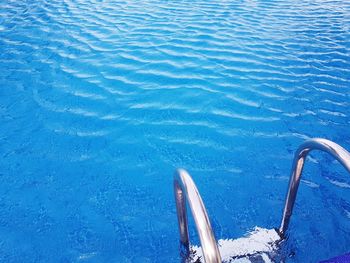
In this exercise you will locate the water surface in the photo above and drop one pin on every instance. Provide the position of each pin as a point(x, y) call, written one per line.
point(101, 100)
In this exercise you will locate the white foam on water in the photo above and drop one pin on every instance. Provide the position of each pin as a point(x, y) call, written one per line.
point(260, 242)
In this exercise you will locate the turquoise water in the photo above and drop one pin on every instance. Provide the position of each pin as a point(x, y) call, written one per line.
point(101, 100)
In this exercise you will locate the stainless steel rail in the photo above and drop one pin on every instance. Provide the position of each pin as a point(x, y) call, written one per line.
point(185, 188)
point(332, 148)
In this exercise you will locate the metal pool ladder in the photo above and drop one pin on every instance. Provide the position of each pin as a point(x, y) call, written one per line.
point(185, 189)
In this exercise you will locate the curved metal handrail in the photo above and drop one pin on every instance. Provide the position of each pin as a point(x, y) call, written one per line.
point(330, 147)
point(185, 188)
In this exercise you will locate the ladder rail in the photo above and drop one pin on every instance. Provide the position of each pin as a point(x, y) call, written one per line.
point(185, 189)
point(338, 152)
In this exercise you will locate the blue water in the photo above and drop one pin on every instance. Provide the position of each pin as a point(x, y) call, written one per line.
point(101, 100)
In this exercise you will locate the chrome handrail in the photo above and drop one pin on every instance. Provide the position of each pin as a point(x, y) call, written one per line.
point(330, 147)
point(185, 188)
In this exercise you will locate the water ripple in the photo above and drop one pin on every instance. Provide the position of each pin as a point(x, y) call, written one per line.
point(138, 88)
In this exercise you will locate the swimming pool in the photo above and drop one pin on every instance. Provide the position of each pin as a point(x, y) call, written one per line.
point(100, 101)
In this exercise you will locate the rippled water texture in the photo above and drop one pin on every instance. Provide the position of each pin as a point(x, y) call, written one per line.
point(101, 100)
